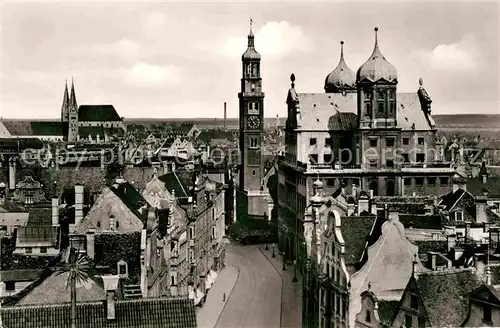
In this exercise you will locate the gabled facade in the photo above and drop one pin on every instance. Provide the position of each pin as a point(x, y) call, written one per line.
point(484, 308)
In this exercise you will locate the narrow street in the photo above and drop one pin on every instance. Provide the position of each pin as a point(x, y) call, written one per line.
point(253, 292)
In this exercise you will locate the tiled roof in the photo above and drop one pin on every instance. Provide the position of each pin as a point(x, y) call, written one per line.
point(139, 176)
point(32, 128)
point(476, 186)
point(20, 275)
point(355, 230)
point(386, 311)
point(144, 313)
point(92, 177)
point(449, 200)
point(425, 246)
point(21, 143)
point(421, 221)
point(207, 136)
point(37, 234)
point(94, 113)
point(180, 181)
point(132, 198)
point(53, 290)
point(318, 110)
point(40, 216)
point(444, 295)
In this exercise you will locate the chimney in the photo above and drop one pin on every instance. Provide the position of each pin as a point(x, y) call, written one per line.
point(488, 275)
point(91, 243)
point(354, 191)
point(55, 211)
point(479, 265)
point(78, 204)
point(12, 173)
point(2, 192)
point(371, 193)
point(432, 257)
point(342, 189)
point(363, 206)
point(467, 231)
point(111, 288)
point(225, 115)
point(481, 207)
point(452, 241)
point(485, 178)
point(393, 216)
point(350, 209)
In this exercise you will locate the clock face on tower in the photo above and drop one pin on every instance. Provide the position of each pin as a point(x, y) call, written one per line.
point(253, 122)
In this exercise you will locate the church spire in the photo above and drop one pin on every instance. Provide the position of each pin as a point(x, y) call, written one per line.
point(65, 103)
point(251, 37)
point(72, 100)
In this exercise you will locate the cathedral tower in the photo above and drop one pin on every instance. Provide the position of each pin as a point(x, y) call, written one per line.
point(73, 116)
point(251, 99)
point(65, 112)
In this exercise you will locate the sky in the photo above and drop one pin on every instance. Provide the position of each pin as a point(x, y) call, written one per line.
point(175, 60)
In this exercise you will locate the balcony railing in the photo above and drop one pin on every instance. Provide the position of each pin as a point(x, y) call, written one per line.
point(427, 165)
point(313, 167)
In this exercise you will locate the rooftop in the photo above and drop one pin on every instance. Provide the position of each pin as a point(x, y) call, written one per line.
point(144, 313)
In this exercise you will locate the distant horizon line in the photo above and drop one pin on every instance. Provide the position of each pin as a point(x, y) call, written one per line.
point(212, 118)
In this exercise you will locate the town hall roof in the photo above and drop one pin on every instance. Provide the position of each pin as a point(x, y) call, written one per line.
point(335, 111)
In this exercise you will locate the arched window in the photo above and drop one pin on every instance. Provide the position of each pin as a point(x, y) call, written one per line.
point(117, 224)
point(98, 224)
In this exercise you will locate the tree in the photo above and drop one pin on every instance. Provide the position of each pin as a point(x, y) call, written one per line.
point(77, 268)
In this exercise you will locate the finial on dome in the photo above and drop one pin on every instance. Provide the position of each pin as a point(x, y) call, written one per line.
point(421, 81)
point(292, 78)
point(251, 23)
point(341, 50)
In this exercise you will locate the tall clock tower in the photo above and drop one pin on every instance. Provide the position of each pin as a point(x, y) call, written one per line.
point(251, 100)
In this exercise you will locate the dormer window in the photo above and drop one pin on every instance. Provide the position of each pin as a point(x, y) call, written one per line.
point(111, 223)
point(122, 269)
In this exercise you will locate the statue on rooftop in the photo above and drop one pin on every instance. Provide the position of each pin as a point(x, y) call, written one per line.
point(423, 96)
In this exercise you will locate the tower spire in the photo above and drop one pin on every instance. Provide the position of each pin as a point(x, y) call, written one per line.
point(65, 103)
point(72, 100)
point(251, 43)
point(341, 51)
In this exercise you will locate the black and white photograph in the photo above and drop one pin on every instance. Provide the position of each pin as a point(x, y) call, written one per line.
point(249, 164)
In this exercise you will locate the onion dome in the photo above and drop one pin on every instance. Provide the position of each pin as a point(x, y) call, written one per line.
point(251, 53)
point(342, 76)
point(377, 67)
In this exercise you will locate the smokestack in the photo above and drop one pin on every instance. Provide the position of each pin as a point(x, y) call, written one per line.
point(111, 287)
point(78, 204)
point(91, 243)
point(225, 115)
point(481, 207)
point(12, 173)
point(55, 211)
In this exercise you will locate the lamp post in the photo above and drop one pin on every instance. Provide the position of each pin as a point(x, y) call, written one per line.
point(284, 264)
point(294, 271)
point(274, 254)
point(267, 231)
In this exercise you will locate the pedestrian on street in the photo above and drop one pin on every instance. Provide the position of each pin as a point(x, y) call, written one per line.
point(224, 297)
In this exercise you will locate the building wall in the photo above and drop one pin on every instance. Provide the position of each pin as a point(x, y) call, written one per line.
point(408, 311)
point(366, 317)
point(107, 205)
point(476, 313)
point(36, 250)
point(18, 285)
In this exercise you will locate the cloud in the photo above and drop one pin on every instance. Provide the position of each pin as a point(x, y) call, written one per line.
point(144, 74)
point(455, 57)
point(123, 48)
point(273, 39)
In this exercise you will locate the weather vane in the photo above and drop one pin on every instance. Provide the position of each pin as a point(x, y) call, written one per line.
point(251, 22)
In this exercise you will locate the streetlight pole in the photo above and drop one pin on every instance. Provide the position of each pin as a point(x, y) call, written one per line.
point(294, 271)
point(274, 254)
point(284, 264)
point(267, 231)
